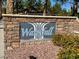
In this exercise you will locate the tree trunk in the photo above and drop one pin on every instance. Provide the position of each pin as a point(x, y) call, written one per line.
point(45, 8)
point(75, 7)
point(17, 4)
point(0, 9)
point(71, 8)
point(10, 4)
point(44, 12)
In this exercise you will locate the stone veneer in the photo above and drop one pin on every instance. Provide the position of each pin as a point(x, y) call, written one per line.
point(40, 49)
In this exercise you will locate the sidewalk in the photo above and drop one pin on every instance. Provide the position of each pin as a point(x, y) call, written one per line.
point(1, 41)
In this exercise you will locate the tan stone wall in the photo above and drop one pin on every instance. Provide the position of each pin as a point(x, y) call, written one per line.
point(62, 26)
point(38, 49)
point(15, 48)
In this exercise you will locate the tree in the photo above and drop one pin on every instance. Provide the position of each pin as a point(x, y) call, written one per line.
point(66, 13)
point(18, 6)
point(47, 5)
point(39, 6)
point(0, 9)
point(31, 4)
point(56, 9)
point(3, 6)
point(10, 6)
point(24, 6)
point(75, 7)
point(63, 1)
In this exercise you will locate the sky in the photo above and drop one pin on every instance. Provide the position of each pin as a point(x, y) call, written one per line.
point(66, 5)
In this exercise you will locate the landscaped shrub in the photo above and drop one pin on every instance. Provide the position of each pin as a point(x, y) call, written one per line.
point(65, 40)
point(69, 44)
point(68, 53)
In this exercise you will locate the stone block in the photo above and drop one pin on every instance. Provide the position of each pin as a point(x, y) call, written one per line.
point(15, 44)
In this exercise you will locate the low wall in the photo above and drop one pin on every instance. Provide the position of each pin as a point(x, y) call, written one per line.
point(13, 43)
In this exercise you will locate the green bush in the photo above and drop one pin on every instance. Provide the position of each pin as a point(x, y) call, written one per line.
point(70, 45)
point(68, 53)
point(65, 40)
